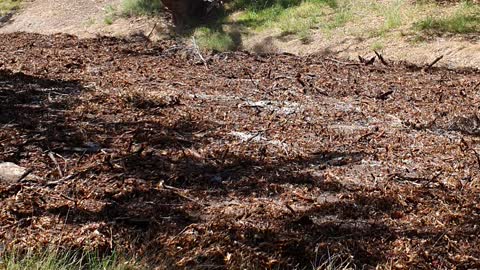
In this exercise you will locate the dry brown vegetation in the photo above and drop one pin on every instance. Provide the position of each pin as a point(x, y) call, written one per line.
point(244, 161)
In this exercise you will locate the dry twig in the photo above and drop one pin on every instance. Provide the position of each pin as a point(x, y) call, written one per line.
point(25, 174)
point(381, 58)
point(52, 157)
point(433, 63)
point(197, 50)
point(343, 63)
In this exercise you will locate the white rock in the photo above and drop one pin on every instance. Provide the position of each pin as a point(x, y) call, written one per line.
point(11, 173)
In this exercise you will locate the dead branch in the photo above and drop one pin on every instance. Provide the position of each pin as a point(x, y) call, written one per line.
point(180, 192)
point(371, 61)
point(433, 63)
point(477, 156)
point(197, 50)
point(299, 80)
point(252, 79)
point(61, 180)
point(381, 58)
point(52, 157)
point(476, 86)
point(385, 95)
point(290, 209)
point(341, 62)
point(367, 62)
point(153, 29)
point(25, 174)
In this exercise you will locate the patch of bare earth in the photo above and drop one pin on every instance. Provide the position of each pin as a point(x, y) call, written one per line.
point(368, 32)
point(241, 162)
point(84, 18)
point(457, 51)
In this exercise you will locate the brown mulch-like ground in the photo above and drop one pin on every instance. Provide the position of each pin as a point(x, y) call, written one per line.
point(249, 161)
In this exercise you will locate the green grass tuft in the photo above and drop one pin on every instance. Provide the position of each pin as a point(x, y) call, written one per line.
point(141, 7)
point(393, 18)
point(110, 14)
point(7, 6)
point(343, 14)
point(258, 5)
point(465, 20)
point(108, 20)
point(377, 46)
point(289, 16)
point(214, 39)
point(53, 260)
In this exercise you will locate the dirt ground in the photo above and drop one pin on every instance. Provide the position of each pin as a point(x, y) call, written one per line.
point(86, 18)
point(457, 51)
point(239, 162)
point(363, 34)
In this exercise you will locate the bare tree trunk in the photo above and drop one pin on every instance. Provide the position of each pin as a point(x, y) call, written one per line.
point(183, 10)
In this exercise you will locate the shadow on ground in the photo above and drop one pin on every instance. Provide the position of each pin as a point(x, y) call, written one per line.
point(128, 182)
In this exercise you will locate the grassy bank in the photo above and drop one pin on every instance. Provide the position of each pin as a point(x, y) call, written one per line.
point(465, 19)
point(363, 19)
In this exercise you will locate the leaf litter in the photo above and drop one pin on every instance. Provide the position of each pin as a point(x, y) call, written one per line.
point(241, 161)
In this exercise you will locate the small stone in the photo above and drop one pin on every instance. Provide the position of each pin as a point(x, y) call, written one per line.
point(10, 173)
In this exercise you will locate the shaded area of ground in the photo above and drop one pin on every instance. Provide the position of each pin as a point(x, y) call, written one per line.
point(241, 161)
